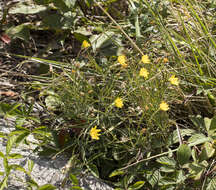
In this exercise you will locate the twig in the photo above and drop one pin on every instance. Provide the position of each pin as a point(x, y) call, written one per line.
point(120, 28)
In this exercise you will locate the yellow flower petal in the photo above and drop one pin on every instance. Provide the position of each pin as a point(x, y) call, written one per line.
point(144, 73)
point(165, 60)
point(164, 106)
point(118, 103)
point(174, 80)
point(145, 59)
point(122, 60)
point(85, 44)
point(94, 133)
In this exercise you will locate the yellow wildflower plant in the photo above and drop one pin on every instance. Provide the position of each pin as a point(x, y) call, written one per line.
point(94, 133)
point(118, 103)
point(164, 106)
point(143, 73)
point(85, 44)
point(122, 60)
point(174, 80)
point(145, 59)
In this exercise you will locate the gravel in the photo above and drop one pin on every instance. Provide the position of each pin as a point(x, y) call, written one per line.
point(45, 170)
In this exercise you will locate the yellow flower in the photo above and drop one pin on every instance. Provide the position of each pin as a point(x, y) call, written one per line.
point(165, 60)
point(122, 60)
point(85, 44)
point(118, 103)
point(174, 80)
point(144, 73)
point(94, 133)
point(145, 59)
point(164, 106)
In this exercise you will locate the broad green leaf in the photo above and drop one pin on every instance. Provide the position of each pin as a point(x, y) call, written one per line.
point(21, 31)
point(196, 137)
point(198, 121)
point(137, 185)
point(93, 169)
point(1, 173)
point(207, 151)
point(74, 179)
point(52, 102)
point(167, 169)
point(47, 187)
point(213, 124)
point(212, 184)
point(184, 132)
point(116, 173)
point(166, 181)
point(27, 7)
point(183, 154)
point(153, 177)
point(207, 122)
point(70, 3)
point(166, 161)
point(196, 170)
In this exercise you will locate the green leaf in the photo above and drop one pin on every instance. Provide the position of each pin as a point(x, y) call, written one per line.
point(10, 143)
point(20, 121)
point(196, 137)
point(21, 137)
point(1, 154)
point(166, 161)
point(183, 154)
point(184, 132)
point(212, 184)
point(76, 188)
point(137, 185)
point(74, 179)
point(167, 169)
point(213, 124)
point(3, 184)
point(207, 151)
point(93, 169)
point(1, 173)
point(198, 121)
point(52, 102)
point(2, 135)
point(116, 173)
point(30, 165)
point(6, 167)
point(70, 3)
point(14, 156)
point(26, 7)
point(17, 167)
point(196, 170)
point(46, 187)
point(153, 177)
point(167, 181)
point(21, 31)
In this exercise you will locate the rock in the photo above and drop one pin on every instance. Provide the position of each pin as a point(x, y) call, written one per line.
point(45, 170)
